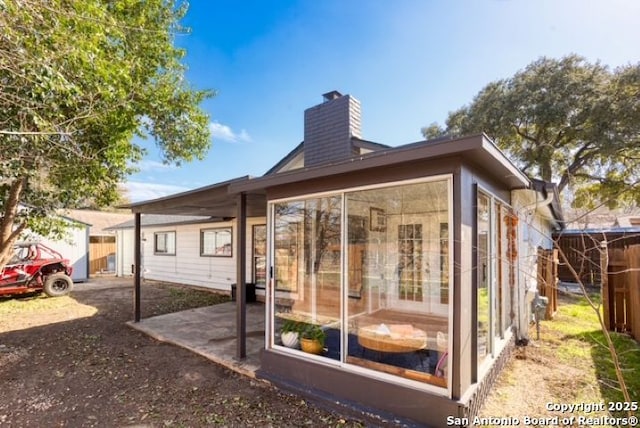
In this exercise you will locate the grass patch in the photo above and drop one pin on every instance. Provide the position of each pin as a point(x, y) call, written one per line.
point(196, 298)
point(36, 302)
point(184, 297)
point(582, 342)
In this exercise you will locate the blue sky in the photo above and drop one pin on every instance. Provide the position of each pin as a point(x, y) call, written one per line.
point(408, 62)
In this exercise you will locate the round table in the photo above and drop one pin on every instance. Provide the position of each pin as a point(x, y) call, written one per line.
point(395, 338)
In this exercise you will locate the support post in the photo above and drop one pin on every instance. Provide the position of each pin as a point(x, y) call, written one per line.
point(136, 275)
point(241, 292)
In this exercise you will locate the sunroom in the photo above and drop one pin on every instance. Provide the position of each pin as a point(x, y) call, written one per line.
point(403, 265)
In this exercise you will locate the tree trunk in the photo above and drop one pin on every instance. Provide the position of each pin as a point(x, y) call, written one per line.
point(546, 171)
point(9, 230)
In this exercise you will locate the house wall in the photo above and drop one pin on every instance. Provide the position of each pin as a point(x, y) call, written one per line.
point(187, 266)
point(468, 386)
point(534, 231)
point(469, 180)
point(74, 247)
point(358, 393)
point(351, 386)
point(124, 252)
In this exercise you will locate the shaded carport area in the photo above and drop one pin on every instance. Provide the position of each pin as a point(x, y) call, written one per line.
point(217, 201)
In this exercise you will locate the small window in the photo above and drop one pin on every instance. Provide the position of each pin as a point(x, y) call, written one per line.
point(215, 242)
point(164, 243)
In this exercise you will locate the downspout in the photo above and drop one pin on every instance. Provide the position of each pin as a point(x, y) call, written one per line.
point(538, 204)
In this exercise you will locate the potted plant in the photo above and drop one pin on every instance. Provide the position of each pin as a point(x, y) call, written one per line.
point(312, 339)
point(290, 333)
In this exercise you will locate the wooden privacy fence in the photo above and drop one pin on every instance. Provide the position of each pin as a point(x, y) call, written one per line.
point(621, 290)
point(99, 250)
point(583, 252)
point(548, 279)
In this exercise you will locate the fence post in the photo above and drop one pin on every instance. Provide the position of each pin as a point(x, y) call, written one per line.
point(633, 284)
point(604, 283)
point(553, 284)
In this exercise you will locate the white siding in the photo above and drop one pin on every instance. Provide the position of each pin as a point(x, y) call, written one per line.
point(124, 252)
point(534, 231)
point(74, 247)
point(186, 266)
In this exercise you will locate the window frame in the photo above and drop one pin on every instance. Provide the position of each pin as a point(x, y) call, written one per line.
point(255, 257)
point(275, 294)
point(158, 252)
point(497, 337)
point(203, 233)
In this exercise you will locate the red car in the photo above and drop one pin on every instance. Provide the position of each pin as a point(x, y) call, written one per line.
point(36, 267)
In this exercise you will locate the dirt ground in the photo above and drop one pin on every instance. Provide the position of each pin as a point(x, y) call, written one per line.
point(82, 366)
point(77, 364)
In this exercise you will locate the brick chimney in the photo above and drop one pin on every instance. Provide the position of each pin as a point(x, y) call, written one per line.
point(328, 128)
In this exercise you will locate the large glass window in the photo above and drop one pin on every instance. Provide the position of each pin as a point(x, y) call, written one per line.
point(370, 270)
point(400, 325)
point(484, 275)
point(496, 254)
point(307, 261)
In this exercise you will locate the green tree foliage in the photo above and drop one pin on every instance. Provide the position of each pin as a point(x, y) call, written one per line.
point(563, 120)
point(78, 80)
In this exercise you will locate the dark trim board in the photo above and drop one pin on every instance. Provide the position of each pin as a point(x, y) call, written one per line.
point(356, 394)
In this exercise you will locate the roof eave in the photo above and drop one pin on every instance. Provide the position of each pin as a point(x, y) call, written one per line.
point(474, 147)
point(148, 205)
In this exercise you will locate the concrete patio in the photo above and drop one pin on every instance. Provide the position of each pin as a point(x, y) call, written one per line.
point(211, 332)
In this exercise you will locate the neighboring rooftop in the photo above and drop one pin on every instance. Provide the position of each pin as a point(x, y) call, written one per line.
point(99, 221)
point(628, 221)
point(602, 218)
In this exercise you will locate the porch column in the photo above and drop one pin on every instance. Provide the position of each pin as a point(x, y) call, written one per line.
point(137, 261)
point(241, 293)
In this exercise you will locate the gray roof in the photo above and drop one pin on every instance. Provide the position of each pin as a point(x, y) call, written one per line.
point(477, 149)
point(607, 230)
point(355, 142)
point(221, 199)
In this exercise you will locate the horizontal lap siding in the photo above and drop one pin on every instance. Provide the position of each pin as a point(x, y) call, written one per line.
point(187, 266)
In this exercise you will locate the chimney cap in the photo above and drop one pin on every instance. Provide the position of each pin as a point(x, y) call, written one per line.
point(331, 95)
